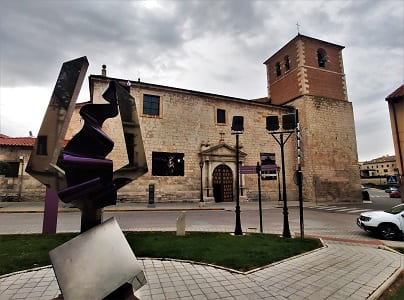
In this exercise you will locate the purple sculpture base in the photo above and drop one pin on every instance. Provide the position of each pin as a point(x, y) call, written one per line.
point(50, 217)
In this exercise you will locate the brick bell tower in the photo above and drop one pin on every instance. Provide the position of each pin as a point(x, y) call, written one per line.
point(308, 74)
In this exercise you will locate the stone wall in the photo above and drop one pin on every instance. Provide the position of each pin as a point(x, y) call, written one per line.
point(187, 124)
point(329, 162)
point(10, 187)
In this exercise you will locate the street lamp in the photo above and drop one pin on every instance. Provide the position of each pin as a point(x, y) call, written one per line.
point(288, 125)
point(237, 128)
point(201, 195)
point(21, 159)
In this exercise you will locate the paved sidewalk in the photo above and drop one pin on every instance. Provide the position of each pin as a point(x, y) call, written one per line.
point(338, 271)
point(38, 207)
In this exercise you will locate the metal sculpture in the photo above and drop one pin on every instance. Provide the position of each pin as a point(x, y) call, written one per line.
point(81, 174)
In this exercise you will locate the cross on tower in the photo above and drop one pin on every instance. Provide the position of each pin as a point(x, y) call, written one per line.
point(297, 25)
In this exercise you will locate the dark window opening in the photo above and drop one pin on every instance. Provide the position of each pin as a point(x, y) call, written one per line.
point(151, 105)
point(268, 159)
point(42, 145)
point(278, 69)
point(287, 63)
point(221, 116)
point(9, 168)
point(167, 164)
point(321, 57)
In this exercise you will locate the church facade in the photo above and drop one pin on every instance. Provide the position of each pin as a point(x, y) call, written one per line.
point(188, 142)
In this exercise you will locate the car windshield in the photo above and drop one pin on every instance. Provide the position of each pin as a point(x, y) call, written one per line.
point(395, 209)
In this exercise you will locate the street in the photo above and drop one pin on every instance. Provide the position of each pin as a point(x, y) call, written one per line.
point(336, 221)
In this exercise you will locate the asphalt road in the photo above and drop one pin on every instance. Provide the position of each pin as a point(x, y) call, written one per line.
point(337, 221)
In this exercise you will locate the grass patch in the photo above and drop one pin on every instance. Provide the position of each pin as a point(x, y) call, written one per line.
point(25, 251)
point(237, 252)
point(19, 252)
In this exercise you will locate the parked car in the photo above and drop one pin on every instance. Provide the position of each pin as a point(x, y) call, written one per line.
point(395, 194)
point(389, 224)
point(390, 189)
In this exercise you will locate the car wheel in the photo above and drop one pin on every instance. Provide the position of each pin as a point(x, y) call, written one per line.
point(387, 231)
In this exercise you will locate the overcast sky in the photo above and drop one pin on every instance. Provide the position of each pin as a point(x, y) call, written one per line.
point(209, 46)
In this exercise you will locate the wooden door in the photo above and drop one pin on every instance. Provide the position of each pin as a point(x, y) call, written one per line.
point(223, 184)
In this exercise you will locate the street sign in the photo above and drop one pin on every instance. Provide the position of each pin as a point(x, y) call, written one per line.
point(248, 170)
point(392, 179)
point(253, 169)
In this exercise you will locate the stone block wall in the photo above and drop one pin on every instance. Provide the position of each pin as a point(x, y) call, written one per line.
point(329, 161)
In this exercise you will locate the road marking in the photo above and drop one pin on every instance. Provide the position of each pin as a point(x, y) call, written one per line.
point(359, 210)
point(335, 208)
point(327, 207)
point(346, 209)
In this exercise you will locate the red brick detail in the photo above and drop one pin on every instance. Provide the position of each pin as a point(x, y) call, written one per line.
point(326, 84)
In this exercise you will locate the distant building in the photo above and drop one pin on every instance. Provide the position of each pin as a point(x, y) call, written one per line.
point(15, 183)
point(379, 167)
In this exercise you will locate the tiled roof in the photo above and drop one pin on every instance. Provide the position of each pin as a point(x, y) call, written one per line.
point(17, 141)
point(20, 141)
point(397, 94)
point(386, 158)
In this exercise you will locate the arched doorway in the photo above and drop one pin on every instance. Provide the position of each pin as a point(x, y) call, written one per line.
point(223, 184)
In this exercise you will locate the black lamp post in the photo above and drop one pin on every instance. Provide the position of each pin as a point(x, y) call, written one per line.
point(201, 196)
point(237, 128)
point(288, 125)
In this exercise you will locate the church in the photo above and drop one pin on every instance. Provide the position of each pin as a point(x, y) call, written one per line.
point(189, 147)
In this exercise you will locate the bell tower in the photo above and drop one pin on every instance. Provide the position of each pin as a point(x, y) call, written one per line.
point(308, 74)
point(306, 66)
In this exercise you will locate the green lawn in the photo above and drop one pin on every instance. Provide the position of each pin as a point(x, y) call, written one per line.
point(19, 252)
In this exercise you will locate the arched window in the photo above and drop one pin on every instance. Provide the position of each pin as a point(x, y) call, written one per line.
point(287, 63)
point(321, 57)
point(278, 69)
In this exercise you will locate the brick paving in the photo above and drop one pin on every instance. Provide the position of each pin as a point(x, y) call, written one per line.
point(338, 271)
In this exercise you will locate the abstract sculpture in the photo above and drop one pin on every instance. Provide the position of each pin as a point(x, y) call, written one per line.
point(81, 174)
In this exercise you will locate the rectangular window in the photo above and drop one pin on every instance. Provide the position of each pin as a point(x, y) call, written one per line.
point(385, 170)
point(151, 105)
point(268, 159)
point(167, 164)
point(42, 145)
point(221, 116)
point(9, 168)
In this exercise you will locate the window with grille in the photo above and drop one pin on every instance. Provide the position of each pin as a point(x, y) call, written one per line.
point(151, 105)
point(221, 116)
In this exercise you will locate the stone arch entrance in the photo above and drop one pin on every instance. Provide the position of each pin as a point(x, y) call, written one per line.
point(222, 184)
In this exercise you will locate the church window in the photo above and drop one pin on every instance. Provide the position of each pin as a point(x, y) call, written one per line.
point(321, 57)
point(287, 63)
point(167, 164)
point(42, 145)
point(278, 69)
point(221, 116)
point(151, 105)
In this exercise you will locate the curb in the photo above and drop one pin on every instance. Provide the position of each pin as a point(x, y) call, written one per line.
point(385, 285)
point(73, 210)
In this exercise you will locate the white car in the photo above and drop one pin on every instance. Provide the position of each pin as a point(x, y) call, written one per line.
point(389, 224)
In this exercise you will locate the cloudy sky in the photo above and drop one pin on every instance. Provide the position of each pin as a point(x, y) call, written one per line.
point(211, 46)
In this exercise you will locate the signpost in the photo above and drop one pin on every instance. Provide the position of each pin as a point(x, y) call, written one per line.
point(257, 170)
point(392, 179)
